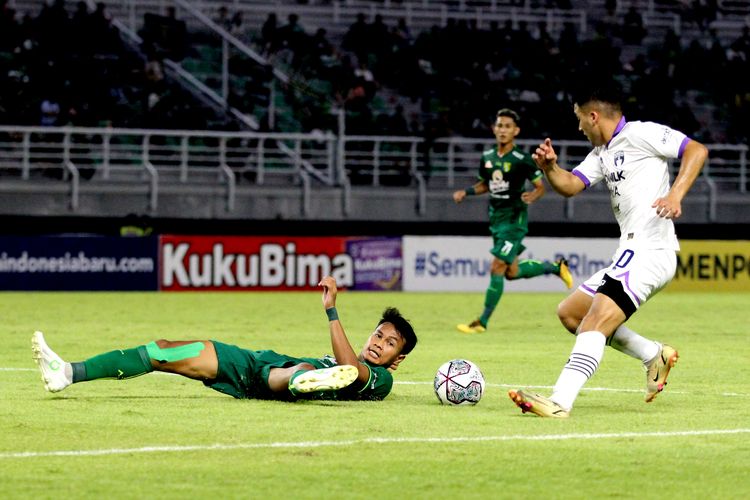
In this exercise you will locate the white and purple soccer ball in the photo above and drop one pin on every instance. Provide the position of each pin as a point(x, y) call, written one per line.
point(459, 382)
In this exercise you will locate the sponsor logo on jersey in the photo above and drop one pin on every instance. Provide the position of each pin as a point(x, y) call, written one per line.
point(667, 133)
point(616, 176)
point(619, 158)
point(497, 184)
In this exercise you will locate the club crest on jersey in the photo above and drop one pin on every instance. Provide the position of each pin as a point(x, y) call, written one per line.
point(619, 158)
point(505, 165)
point(488, 164)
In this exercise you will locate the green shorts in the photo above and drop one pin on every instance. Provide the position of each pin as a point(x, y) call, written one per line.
point(243, 374)
point(507, 242)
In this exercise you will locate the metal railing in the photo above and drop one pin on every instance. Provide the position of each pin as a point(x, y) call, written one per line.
point(32, 157)
point(154, 159)
point(338, 16)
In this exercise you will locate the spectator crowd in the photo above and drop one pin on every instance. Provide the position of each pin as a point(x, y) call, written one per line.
point(73, 68)
point(450, 80)
point(64, 67)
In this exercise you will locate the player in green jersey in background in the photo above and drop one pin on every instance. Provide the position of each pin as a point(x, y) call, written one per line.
point(503, 173)
point(246, 374)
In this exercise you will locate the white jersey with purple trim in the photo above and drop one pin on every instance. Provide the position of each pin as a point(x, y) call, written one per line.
point(634, 166)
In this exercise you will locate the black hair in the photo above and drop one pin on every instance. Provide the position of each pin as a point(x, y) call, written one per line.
point(403, 327)
point(509, 113)
point(607, 92)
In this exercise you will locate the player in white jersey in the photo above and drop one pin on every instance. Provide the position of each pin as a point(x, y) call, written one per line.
point(631, 158)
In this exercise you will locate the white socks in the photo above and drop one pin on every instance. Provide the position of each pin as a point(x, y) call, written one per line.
point(587, 354)
point(583, 362)
point(68, 371)
point(629, 342)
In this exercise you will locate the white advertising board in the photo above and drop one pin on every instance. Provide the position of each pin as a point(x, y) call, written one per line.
point(462, 263)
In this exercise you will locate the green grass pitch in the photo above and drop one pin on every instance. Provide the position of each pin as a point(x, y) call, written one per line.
point(163, 436)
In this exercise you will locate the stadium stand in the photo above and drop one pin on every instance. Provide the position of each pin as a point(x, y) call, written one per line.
point(277, 108)
point(436, 64)
point(74, 68)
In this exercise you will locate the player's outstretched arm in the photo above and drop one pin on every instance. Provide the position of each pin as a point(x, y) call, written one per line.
point(560, 179)
point(342, 349)
point(693, 158)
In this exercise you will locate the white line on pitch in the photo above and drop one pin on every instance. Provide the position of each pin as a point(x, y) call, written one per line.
point(506, 386)
point(407, 382)
point(525, 386)
point(365, 441)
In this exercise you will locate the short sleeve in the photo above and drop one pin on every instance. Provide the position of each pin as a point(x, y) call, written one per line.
point(661, 140)
point(379, 384)
point(589, 170)
point(533, 171)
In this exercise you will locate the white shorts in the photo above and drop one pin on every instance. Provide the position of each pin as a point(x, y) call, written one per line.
point(642, 272)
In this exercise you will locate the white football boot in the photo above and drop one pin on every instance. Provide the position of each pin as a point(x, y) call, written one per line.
point(51, 366)
point(324, 379)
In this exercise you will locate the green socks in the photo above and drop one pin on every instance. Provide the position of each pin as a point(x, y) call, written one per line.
point(530, 268)
point(492, 297)
point(118, 364)
point(292, 390)
point(526, 269)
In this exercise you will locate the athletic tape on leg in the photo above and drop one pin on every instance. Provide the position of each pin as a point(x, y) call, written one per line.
point(170, 354)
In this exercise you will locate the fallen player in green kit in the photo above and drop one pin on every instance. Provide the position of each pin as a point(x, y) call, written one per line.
point(246, 374)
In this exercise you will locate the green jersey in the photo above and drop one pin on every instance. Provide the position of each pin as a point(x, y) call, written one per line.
point(243, 374)
point(378, 386)
point(506, 176)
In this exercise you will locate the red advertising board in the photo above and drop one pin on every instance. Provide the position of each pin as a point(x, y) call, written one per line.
point(252, 263)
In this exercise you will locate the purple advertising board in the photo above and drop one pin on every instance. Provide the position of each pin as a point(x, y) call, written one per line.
point(377, 263)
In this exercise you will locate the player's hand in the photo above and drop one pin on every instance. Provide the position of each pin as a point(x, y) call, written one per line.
point(529, 197)
point(544, 155)
point(667, 208)
point(458, 196)
point(329, 292)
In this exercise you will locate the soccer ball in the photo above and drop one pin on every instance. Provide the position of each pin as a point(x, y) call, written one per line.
point(459, 382)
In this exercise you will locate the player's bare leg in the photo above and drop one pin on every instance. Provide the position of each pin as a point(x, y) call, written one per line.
point(195, 359)
point(572, 310)
point(278, 378)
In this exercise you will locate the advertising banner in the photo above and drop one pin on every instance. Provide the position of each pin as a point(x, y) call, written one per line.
point(377, 263)
point(414, 263)
point(713, 265)
point(462, 263)
point(252, 263)
point(78, 263)
point(278, 262)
